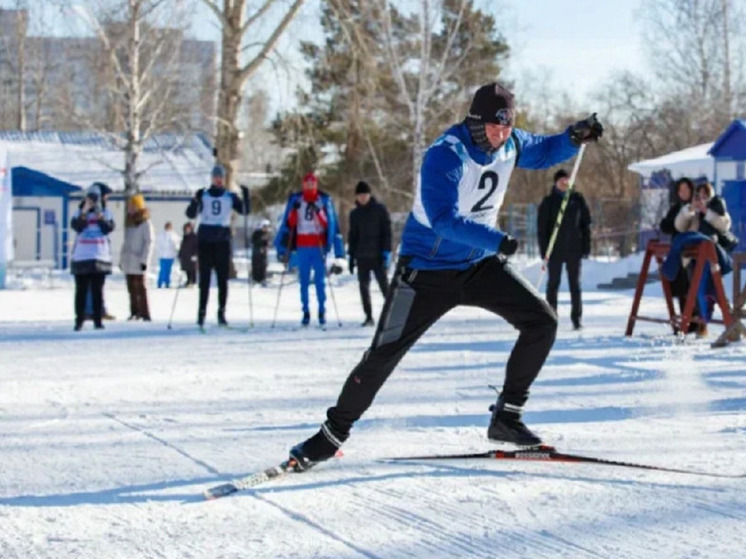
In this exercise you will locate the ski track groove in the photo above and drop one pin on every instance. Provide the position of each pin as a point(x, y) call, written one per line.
point(467, 522)
point(303, 519)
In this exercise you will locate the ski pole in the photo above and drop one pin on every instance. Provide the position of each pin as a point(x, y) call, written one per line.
point(176, 298)
point(246, 243)
point(561, 214)
point(286, 264)
point(326, 274)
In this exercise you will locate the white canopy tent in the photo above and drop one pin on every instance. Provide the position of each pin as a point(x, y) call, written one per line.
point(690, 162)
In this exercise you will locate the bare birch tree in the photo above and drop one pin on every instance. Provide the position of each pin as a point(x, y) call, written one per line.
point(143, 61)
point(697, 57)
point(13, 47)
point(424, 52)
point(237, 24)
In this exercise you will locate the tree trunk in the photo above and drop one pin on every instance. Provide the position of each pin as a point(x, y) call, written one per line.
point(233, 75)
point(134, 142)
point(21, 36)
point(229, 98)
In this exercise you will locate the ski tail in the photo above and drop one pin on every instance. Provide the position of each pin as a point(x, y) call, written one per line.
point(250, 481)
point(550, 454)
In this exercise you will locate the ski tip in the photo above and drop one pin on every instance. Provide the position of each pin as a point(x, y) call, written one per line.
point(219, 491)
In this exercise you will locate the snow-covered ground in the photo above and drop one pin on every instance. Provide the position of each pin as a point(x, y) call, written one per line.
point(108, 438)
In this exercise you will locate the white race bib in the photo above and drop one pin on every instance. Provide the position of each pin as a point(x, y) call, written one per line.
point(216, 210)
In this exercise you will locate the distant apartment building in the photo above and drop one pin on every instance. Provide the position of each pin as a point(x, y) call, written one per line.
point(69, 82)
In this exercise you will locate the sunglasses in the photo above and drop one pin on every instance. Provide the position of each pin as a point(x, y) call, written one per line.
point(504, 117)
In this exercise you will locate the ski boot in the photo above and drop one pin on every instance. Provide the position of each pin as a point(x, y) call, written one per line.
point(506, 425)
point(322, 318)
point(368, 322)
point(306, 320)
point(201, 319)
point(319, 448)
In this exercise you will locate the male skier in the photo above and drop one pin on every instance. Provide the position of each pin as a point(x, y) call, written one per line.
point(451, 254)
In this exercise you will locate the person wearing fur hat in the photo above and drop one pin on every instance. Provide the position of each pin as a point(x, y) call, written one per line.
point(452, 254)
point(310, 226)
point(135, 255)
point(213, 207)
point(91, 255)
point(369, 241)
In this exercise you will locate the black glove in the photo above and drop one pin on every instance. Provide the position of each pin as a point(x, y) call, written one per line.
point(352, 265)
point(508, 246)
point(143, 267)
point(588, 130)
point(335, 269)
point(296, 205)
point(585, 255)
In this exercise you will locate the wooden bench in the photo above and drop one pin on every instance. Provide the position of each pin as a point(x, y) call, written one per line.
point(701, 253)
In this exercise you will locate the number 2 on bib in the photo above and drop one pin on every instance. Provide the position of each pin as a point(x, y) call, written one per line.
point(489, 180)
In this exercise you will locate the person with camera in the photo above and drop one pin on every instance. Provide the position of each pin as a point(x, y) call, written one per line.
point(91, 255)
point(135, 255)
point(369, 240)
point(707, 215)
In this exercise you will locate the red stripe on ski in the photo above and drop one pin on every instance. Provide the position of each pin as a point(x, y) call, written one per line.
point(549, 454)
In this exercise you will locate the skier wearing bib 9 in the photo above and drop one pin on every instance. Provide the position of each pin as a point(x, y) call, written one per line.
point(213, 207)
point(451, 254)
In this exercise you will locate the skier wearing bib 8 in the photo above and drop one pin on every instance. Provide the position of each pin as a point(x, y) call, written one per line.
point(452, 254)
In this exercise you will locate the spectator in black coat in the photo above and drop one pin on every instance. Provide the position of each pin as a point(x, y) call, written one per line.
point(684, 188)
point(188, 254)
point(572, 244)
point(260, 240)
point(370, 244)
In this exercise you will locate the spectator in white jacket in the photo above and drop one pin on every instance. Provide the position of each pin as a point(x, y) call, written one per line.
point(136, 251)
point(167, 248)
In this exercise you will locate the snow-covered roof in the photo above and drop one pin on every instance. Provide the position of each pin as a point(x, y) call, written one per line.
point(174, 164)
point(690, 162)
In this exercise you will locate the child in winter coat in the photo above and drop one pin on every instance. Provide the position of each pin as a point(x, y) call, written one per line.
point(167, 247)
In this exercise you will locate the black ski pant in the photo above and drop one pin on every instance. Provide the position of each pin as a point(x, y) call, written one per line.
point(554, 276)
point(213, 256)
point(94, 282)
point(418, 298)
point(364, 268)
point(259, 266)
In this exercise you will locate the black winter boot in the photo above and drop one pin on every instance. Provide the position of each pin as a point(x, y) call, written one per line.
point(506, 425)
point(322, 446)
point(221, 318)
